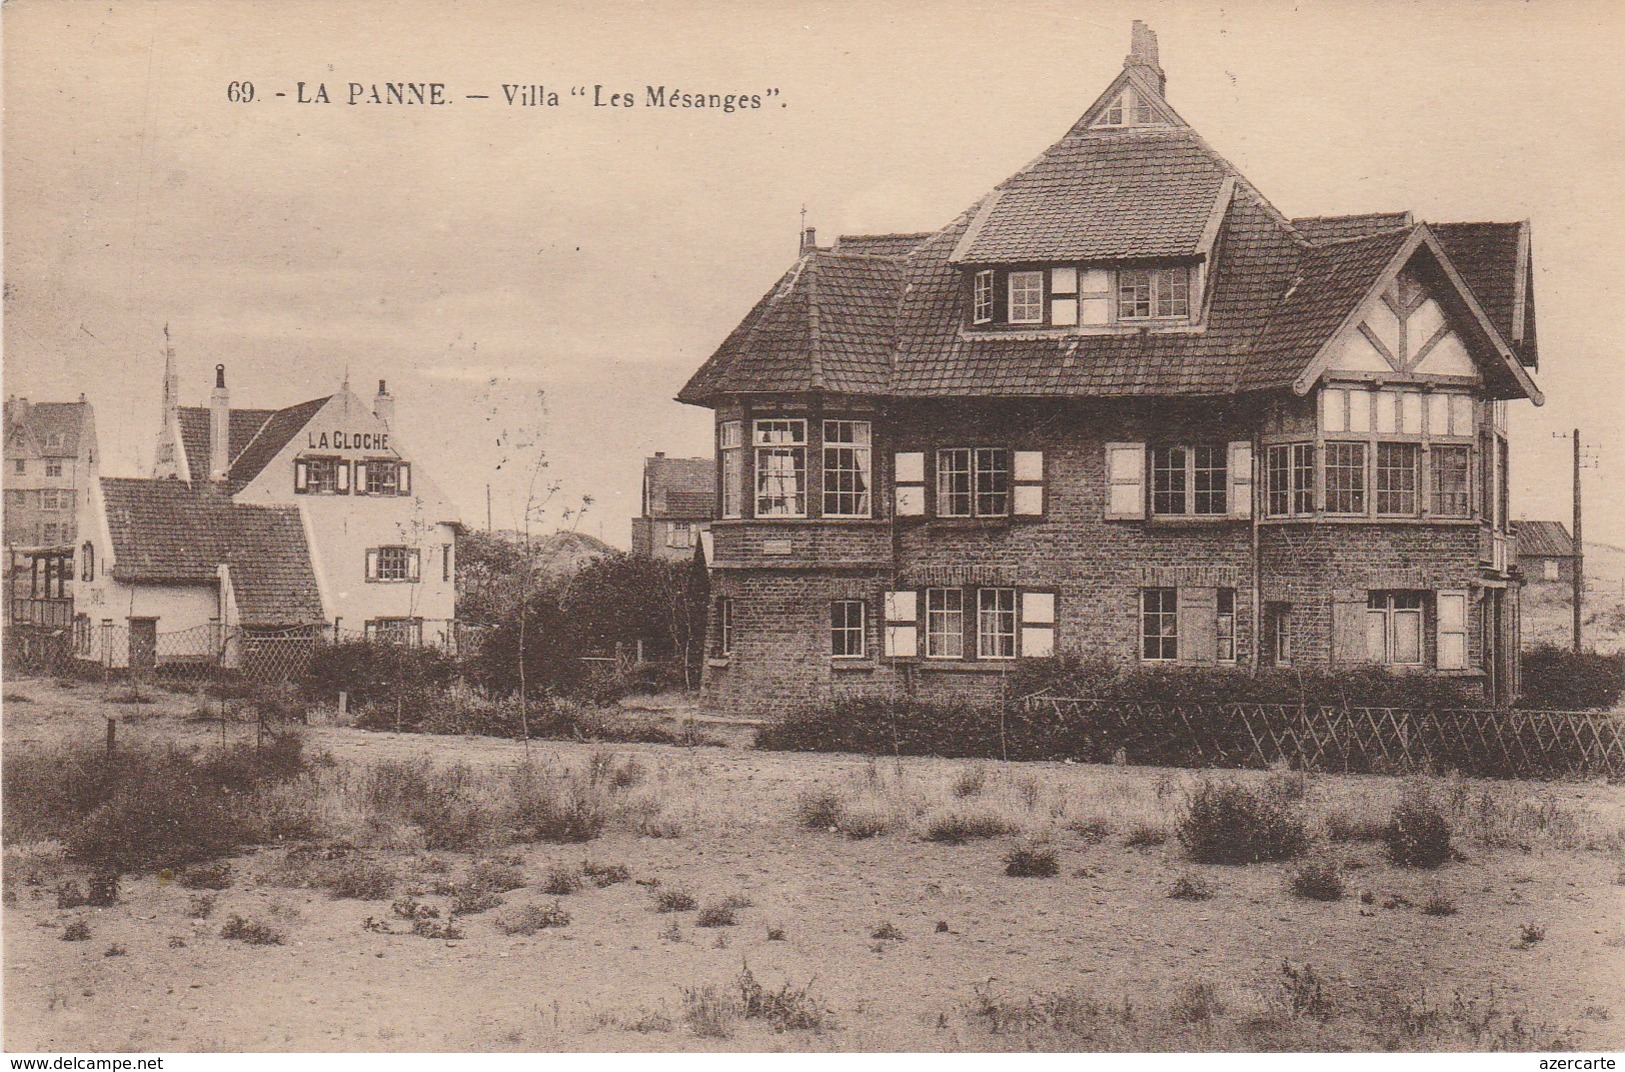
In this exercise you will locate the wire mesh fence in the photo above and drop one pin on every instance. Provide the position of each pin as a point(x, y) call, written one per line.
point(1491, 743)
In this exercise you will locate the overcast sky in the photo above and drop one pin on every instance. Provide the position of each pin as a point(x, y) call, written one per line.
point(479, 255)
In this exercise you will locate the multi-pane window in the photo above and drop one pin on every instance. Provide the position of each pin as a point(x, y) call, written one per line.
point(1291, 474)
point(87, 562)
point(407, 632)
point(386, 477)
point(1278, 630)
point(846, 627)
point(19, 466)
point(1397, 478)
point(1190, 480)
point(1451, 484)
point(53, 467)
point(944, 623)
point(679, 534)
point(1225, 631)
point(1152, 293)
point(996, 623)
point(725, 625)
point(323, 476)
point(846, 468)
point(781, 468)
point(982, 298)
point(1026, 297)
point(1345, 478)
point(392, 564)
point(55, 499)
point(51, 532)
point(973, 482)
point(1159, 624)
point(1393, 628)
point(730, 444)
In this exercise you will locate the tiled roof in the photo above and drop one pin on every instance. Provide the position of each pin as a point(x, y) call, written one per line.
point(254, 437)
point(680, 487)
point(1486, 255)
point(45, 419)
point(167, 532)
point(1101, 195)
point(883, 245)
point(1336, 228)
point(1543, 539)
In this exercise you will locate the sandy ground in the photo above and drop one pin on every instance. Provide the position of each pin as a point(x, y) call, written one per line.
point(1105, 925)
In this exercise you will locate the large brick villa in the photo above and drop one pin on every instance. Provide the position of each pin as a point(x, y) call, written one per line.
point(1120, 406)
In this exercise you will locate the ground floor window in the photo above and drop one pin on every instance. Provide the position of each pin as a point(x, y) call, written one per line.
point(407, 632)
point(847, 618)
point(725, 625)
point(1225, 627)
point(1278, 632)
point(996, 623)
point(1393, 628)
point(1159, 624)
point(944, 623)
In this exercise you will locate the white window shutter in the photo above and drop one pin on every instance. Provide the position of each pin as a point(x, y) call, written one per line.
point(1241, 479)
point(1452, 607)
point(406, 478)
point(909, 480)
point(1028, 470)
point(1125, 481)
point(412, 559)
point(901, 626)
point(344, 476)
point(1029, 466)
point(361, 478)
point(1037, 625)
point(301, 476)
point(372, 563)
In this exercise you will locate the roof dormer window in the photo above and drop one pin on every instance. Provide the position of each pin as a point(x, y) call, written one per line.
point(982, 298)
point(1128, 108)
point(1153, 293)
point(1026, 297)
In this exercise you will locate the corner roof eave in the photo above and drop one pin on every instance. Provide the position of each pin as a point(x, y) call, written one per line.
point(1420, 236)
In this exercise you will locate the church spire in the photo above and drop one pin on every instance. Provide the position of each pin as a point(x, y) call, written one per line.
point(166, 460)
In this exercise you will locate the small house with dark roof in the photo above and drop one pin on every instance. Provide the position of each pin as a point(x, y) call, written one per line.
point(1545, 551)
point(314, 517)
point(1120, 406)
point(679, 502)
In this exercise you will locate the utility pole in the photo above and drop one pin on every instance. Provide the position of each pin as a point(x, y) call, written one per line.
point(487, 509)
point(1579, 547)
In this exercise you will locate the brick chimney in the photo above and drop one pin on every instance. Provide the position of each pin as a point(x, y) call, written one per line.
point(1142, 53)
point(383, 405)
point(809, 240)
point(219, 428)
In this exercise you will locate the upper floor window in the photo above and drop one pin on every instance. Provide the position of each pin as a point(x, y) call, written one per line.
point(392, 564)
point(55, 499)
point(846, 468)
point(680, 534)
point(1190, 480)
point(53, 467)
point(1153, 293)
point(781, 468)
point(19, 466)
point(730, 445)
point(1397, 478)
point(982, 298)
point(1026, 297)
point(383, 476)
point(973, 482)
point(1291, 480)
point(53, 441)
point(321, 476)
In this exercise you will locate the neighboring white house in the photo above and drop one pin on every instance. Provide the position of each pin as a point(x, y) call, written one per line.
point(320, 501)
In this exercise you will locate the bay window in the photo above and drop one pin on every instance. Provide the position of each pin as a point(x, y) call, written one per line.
point(730, 445)
point(1345, 478)
point(846, 468)
point(1397, 478)
point(781, 468)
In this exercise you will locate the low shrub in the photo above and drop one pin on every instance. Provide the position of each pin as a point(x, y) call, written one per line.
point(1530, 934)
point(887, 932)
point(561, 881)
point(818, 809)
point(970, 781)
point(1305, 992)
point(1438, 904)
point(674, 899)
point(605, 874)
point(251, 931)
point(77, 931)
point(1196, 1003)
point(715, 915)
point(1191, 888)
point(472, 900)
point(102, 889)
point(1227, 823)
point(1559, 679)
point(1343, 825)
point(200, 905)
point(1031, 863)
point(360, 880)
point(786, 1009)
point(495, 874)
point(958, 827)
point(207, 877)
point(1317, 882)
point(526, 920)
point(1145, 836)
point(1418, 832)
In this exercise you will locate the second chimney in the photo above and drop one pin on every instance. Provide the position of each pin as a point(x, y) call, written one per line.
point(809, 240)
point(219, 428)
point(1143, 54)
point(383, 405)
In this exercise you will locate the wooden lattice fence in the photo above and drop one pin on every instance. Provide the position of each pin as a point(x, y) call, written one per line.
point(1491, 743)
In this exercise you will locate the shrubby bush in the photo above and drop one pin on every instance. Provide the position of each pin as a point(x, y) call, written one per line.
point(1557, 679)
point(1228, 823)
point(1418, 833)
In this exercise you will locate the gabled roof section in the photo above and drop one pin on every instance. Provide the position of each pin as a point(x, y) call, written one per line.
point(683, 488)
point(825, 326)
point(254, 437)
point(166, 532)
point(1543, 539)
point(53, 428)
point(883, 245)
point(1494, 259)
point(1336, 228)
